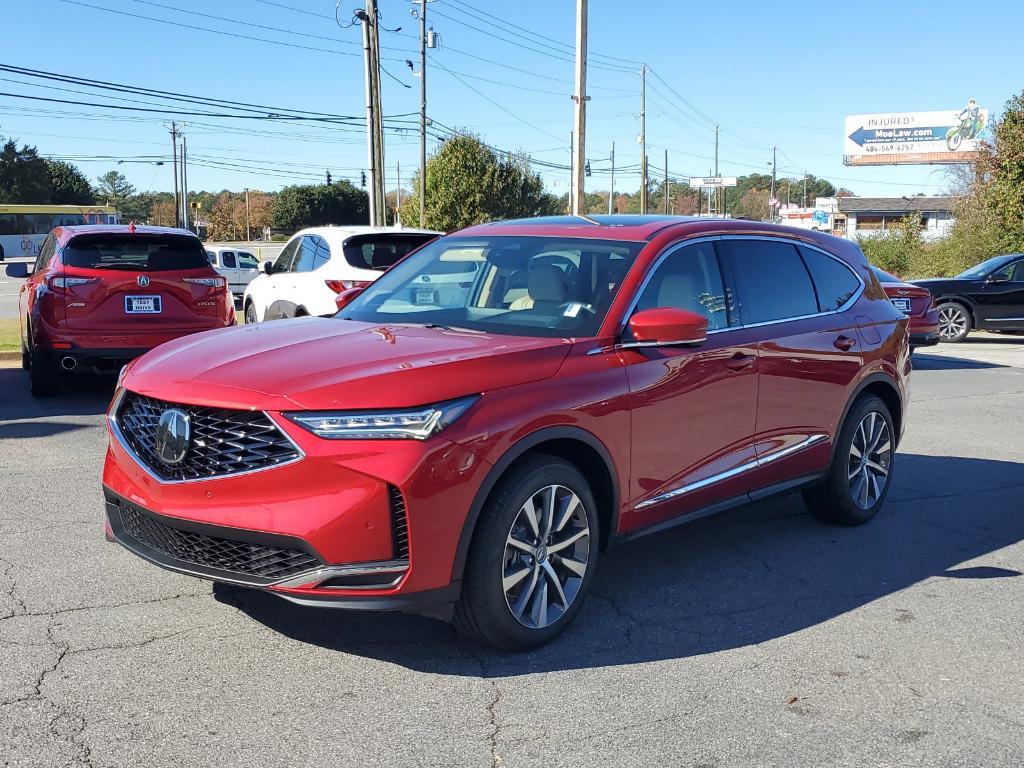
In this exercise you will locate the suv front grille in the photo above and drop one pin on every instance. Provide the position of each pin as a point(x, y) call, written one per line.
point(223, 441)
point(241, 557)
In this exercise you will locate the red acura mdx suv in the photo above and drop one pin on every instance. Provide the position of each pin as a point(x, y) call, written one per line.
point(98, 296)
point(468, 434)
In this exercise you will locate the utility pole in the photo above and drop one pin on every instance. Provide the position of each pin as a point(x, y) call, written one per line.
point(184, 183)
point(371, 121)
point(572, 161)
point(381, 207)
point(398, 195)
point(664, 186)
point(611, 189)
point(248, 237)
point(804, 201)
point(771, 205)
point(715, 191)
point(580, 117)
point(174, 150)
point(643, 139)
point(423, 114)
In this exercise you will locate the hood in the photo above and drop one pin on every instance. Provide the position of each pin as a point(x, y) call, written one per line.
point(324, 363)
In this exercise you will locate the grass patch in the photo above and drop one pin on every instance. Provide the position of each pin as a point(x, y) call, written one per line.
point(10, 335)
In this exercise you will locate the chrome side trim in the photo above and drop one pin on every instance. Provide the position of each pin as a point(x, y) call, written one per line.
point(1005, 320)
point(782, 453)
point(115, 430)
point(315, 577)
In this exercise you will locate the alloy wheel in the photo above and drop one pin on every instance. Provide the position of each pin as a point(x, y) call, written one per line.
point(952, 322)
point(870, 459)
point(546, 556)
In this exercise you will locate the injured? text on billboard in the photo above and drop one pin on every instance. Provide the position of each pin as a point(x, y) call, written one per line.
point(914, 138)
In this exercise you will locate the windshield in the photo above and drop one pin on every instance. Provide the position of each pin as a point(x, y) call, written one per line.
point(985, 267)
point(521, 286)
point(135, 252)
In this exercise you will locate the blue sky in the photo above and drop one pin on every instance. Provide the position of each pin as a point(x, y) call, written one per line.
point(769, 73)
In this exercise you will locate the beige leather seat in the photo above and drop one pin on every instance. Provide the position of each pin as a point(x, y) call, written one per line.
point(546, 289)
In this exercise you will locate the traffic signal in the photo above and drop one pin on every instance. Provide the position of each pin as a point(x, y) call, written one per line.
point(362, 178)
point(586, 168)
point(328, 178)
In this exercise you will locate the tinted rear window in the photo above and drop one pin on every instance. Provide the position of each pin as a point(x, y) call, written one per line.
point(380, 251)
point(772, 280)
point(833, 280)
point(137, 252)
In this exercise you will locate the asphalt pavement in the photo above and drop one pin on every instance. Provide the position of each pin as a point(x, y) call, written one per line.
point(760, 637)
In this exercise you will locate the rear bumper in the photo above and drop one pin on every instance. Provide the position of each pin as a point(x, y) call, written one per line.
point(98, 361)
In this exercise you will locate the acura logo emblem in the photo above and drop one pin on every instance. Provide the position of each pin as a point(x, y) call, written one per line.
point(143, 281)
point(172, 436)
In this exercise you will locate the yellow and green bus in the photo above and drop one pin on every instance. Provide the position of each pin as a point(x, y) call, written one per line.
point(24, 227)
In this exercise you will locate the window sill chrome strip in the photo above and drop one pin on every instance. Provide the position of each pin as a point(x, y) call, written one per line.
point(115, 430)
point(782, 453)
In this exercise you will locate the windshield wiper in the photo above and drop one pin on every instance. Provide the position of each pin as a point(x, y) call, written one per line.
point(117, 266)
point(441, 327)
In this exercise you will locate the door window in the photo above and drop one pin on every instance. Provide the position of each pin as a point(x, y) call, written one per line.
point(689, 278)
point(834, 282)
point(313, 253)
point(228, 259)
point(1012, 272)
point(45, 254)
point(286, 258)
point(247, 261)
point(771, 280)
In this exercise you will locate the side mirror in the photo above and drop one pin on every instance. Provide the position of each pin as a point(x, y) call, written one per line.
point(344, 298)
point(268, 267)
point(667, 326)
point(17, 269)
point(998, 277)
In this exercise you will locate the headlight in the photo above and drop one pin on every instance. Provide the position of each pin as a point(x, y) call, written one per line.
point(406, 424)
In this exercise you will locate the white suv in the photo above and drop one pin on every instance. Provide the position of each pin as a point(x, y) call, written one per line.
point(319, 263)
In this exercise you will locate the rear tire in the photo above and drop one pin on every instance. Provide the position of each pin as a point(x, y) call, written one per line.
point(954, 322)
point(859, 478)
point(523, 585)
point(26, 358)
point(250, 314)
point(42, 375)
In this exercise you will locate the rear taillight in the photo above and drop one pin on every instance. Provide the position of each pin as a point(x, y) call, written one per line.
point(65, 284)
point(218, 284)
point(343, 285)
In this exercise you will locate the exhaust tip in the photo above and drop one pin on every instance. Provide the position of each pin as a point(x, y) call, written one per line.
point(68, 363)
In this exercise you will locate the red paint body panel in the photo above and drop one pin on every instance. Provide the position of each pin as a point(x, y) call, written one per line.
point(668, 419)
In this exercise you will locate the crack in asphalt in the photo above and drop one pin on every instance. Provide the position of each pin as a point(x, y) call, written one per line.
point(103, 606)
point(492, 738)
point(7, 572)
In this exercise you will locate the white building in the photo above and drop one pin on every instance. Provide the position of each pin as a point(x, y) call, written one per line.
point(860, 217)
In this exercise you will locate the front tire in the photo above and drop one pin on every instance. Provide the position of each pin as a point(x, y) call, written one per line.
point(859, 478)
point(954, 322)
point(532, 558)
point(250, 314)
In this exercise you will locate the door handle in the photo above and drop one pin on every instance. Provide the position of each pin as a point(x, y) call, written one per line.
point(844, 343)
point(739, 361)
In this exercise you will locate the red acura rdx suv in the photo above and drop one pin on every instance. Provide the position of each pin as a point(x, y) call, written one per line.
point(470, 432)
point(98, 296)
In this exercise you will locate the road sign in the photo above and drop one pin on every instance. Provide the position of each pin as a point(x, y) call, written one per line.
point(712, 181)
point(914, 138)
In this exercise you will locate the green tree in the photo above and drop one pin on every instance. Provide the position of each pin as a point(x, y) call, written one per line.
point(1002, 169)
point(468, 183)
point(113, 188)
point(24, 177)
point(68, 185)
point(315, 205)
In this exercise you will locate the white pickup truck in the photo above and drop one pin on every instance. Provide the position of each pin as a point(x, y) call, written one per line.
point(235, 266)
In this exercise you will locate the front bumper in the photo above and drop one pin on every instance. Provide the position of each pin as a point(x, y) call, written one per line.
point(336, 505)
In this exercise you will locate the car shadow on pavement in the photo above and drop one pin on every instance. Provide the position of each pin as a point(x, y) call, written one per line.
point(742, 578)
point(926, 362)
point(82, 395)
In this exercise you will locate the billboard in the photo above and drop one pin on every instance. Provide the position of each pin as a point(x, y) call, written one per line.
point(712, 182)
point(914, 138)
